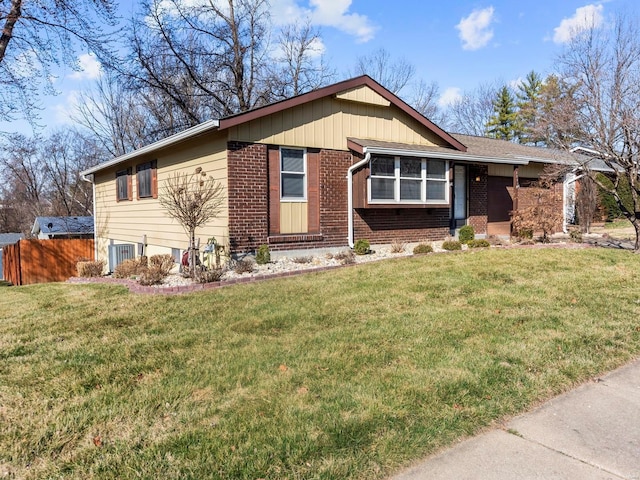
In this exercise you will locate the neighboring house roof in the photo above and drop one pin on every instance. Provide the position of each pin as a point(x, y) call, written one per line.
point(63, 225)
point(9, 238)
point(256, 113)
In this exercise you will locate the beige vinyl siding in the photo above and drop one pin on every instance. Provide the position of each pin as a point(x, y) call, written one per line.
point(128, 221)
point(525, 171)
point(364, 95)
point(327, 122)
point(294, 217)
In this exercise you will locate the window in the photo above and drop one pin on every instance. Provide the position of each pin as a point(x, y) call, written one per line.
point(408, 180)
point(146, 179)
point(123, 185)
point(293, 181)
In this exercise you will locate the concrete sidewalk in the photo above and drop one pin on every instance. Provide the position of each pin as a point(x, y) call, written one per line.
point(592, 432)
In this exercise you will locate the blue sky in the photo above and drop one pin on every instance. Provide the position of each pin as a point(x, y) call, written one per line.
point(458, 44)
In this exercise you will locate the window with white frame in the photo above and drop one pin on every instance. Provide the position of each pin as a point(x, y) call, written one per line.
point(408, 180)
point(293, 174)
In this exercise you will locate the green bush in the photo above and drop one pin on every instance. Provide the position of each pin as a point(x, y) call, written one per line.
point(263, 255)
point(466, 234)
point(451, 245)
point(422, 248)
point(362, 247)
point(479, 243)
point(575, 235)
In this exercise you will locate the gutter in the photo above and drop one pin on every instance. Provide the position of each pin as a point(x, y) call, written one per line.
point(352, 169)
point(445, 155)
point(165, 142)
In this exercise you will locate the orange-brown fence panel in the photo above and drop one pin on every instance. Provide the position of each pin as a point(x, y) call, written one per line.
point(11, 263)
point(43, 261)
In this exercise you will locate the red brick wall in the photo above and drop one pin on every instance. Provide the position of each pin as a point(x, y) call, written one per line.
point(249, 206)
point(384, 225)
point(248, 195)
point(478, 198)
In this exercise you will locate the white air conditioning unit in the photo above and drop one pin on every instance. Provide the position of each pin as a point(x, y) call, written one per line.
point(119, 253)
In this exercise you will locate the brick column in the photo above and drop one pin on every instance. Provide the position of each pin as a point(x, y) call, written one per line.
point(248, 195)
point(478, 197)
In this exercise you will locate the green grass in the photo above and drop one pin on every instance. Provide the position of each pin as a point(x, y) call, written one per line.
point(619, 223)
point(352, 373)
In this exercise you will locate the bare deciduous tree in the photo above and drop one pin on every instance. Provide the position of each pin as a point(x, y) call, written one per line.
point(394, 75)
point(192, 199)
point(299, 64)
point(603, 68)
point(472, 111)
point(40, 34)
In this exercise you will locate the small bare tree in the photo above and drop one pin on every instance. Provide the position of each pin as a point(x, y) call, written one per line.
point(603, 68)
point(192, 199)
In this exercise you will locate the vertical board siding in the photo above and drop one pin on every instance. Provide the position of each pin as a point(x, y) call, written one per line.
point(42, 261)
point(327, 122)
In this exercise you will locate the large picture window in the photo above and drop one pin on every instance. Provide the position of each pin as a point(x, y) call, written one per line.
point(293, 174)
point(408, 180)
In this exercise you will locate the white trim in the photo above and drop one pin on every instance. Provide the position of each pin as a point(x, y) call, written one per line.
point(165, 142)
point(443, 155)
point(424, 180)
point(304, 176)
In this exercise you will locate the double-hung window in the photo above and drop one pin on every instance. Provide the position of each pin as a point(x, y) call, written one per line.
point(408, 180)
point(293, 174)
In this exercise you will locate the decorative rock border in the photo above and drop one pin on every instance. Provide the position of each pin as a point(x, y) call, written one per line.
point(135, 287)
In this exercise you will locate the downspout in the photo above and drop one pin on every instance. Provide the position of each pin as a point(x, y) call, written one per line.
point(352, 169)
point(89, 178)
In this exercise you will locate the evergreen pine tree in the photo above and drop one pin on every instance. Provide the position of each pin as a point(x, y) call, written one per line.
point(503, 124)
point(529, 105)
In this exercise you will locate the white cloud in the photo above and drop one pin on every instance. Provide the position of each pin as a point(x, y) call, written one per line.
point(474, 30)
point(325, 13)
point(515, 84)
point(449, 96)
point(589, 16)
point(90, 68)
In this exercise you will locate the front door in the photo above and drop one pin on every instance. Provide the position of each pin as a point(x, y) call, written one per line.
point(499, 205)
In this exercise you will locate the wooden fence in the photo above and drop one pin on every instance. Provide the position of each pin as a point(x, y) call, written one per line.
point(42, 261)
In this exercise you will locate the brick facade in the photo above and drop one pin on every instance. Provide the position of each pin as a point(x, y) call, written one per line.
point(478, 175)
point(248, 195)
point(384, 225)
point(250, 209)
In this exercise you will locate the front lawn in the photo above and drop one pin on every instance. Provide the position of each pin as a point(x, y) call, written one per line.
point(352, 373)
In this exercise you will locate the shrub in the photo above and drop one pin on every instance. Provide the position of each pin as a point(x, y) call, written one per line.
point(345, 257)
point(466, 234)
point(479, 243)
point(398, 246)
point(307, 259)
point(422, 248)
point(152, 275)
point(263, 255)
point(362, 247)
point(451, 245)
point(90, 269)
point(210, 275)
point(163, 262)
point(575, 236)
point(244, 265)
point(130, 267)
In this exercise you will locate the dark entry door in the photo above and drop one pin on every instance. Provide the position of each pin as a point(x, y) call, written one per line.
point(499, 204)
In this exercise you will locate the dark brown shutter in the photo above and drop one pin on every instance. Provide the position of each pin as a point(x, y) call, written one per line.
point(274, 191)
point(154, 178)
point(313, 192)
point(130, 183)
